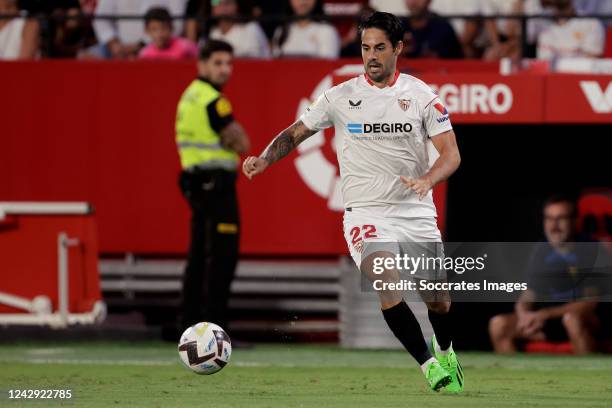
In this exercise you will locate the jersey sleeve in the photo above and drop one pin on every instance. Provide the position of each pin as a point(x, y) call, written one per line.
point(318, 115)
point(436, 119)
point(219, 113)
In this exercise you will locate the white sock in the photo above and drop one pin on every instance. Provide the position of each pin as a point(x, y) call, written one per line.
point(427, 363)
point(440, 351)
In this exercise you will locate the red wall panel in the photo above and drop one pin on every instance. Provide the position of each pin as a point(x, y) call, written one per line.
point(103, 132)
point(579, 99)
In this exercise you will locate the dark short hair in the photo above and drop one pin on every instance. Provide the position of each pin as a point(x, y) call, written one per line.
point(562, 198)
point(213, 46)
point(387, 22)
point(157, 14)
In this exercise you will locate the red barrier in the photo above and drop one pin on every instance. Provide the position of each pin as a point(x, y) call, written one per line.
point(103, 133)
point(586, 99)
point(490, 98)
point(29, 259)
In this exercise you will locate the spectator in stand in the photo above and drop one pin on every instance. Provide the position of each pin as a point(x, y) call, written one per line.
point(164, 45)
point(571, 36)
point(68, 31)
point(196, 12)
point(351, 42)
point(18, 34)
point(535, 26)
point(503, 33)
point(427, 34)
point(467, 30)
point(247, 38)
point(266, 8)
point(124, 38)
point(306, 35)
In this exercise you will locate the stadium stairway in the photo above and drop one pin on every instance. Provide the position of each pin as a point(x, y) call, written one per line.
point(269, 299)
point(286, 300)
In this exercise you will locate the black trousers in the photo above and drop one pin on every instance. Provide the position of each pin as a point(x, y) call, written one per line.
point(213, 252)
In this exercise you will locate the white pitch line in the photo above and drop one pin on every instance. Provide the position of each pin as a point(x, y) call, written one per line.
point(90, 362)
point(127, 362)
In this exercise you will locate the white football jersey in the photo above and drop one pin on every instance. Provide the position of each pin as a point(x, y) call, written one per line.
point(384, 134)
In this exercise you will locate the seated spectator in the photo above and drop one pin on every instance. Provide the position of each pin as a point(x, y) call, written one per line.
point(306, 35)
point(503, 33)
point(571, 36)
point(535, 26)
point(351, 42)
point(429, 35)
point(266, 8)
point(560, 301)
point(196, 12)
point(124, 38)
point(68, 31)
point(164, 45)
point(247, 39)
point(18, 34)
point(467, 30)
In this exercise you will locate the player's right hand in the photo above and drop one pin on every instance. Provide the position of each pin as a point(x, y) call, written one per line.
point(252, 166)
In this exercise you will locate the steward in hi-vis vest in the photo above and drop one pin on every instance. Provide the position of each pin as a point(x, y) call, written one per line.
point(209, 142)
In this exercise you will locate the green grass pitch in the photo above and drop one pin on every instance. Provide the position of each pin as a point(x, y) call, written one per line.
point(150, 375)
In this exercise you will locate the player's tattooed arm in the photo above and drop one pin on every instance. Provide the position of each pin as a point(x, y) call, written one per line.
point(286, 141)
point(281, 146)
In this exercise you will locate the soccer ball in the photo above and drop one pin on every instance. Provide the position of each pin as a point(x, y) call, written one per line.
point(205, 348)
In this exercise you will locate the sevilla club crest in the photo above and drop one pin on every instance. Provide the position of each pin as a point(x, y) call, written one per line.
point(404, 104)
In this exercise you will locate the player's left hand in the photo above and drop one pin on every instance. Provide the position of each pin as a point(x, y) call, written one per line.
point(421, 185)
point(533, 323)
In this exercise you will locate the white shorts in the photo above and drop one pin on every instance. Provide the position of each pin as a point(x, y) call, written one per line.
point(370, 229)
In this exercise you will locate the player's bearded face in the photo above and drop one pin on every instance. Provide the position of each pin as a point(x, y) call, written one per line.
point(379, 55)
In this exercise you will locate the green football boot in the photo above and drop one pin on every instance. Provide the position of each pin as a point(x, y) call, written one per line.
point(450, 363)
point(437, 376)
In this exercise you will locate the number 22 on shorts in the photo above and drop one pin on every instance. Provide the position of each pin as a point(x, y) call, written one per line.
point(369, 231)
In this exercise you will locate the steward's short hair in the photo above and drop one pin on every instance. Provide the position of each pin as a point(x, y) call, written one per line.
point(213, 46)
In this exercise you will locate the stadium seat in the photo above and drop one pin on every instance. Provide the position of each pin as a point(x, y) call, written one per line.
point(549, 347)
point(561, 348)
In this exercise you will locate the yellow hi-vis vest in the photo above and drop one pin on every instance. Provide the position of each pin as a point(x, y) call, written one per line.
point(199, 145)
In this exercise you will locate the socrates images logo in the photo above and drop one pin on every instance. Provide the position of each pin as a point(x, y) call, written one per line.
point(315, 162)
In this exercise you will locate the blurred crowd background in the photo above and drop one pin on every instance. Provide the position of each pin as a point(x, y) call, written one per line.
point(171, 29)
